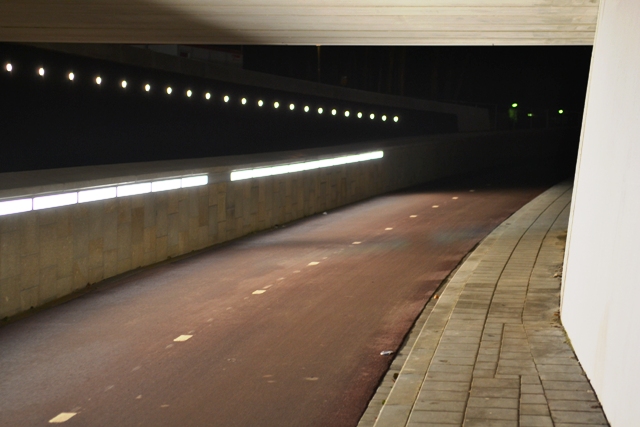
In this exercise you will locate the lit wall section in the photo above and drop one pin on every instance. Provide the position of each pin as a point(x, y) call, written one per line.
point(602, 274)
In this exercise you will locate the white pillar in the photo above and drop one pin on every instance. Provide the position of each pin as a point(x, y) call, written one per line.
point(601, 287)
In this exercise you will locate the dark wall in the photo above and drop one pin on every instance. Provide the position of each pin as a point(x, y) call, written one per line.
point(51, 122)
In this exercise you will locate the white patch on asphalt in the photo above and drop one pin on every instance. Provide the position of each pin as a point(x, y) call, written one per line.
point(455, 198)
point(356, 243)
point(258, 292)
point(139, 396)
point(182, 338)
point(311, 378)
point(435, 206)
point(281, 278)
point(164, 406)
point(314, 263)
point(136, 368)
point(267, 287)
point(169, 346)
point(388, 228)
point(413, 216)
point(62, 417)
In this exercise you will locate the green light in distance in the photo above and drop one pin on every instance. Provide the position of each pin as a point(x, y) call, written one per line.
point(560, 111)
point(514, 105)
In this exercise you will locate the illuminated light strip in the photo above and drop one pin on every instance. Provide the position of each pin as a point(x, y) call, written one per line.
point(94, 194)
point(168, 184)
point(16, 206)
point(195, 181)
point(303, 166)
point(54, 201)
point(133, 189)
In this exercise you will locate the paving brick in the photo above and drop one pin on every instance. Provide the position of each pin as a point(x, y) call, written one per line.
point(538, 399)
point(483, 373)
point(440, 405)
point(502, 383)
point(574, 405)
point(567, 385)
point(512, 393)
point(488, 402)
point(535, 421)
point(434, 385)
point(437, 417)
point(578, 417)
point(489, 423)
point(580, 425)
point(489, 413)
point(531, 388)
point(531, 409)
point(440, 395)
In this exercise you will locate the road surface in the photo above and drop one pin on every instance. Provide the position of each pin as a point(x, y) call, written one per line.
point(283, 328)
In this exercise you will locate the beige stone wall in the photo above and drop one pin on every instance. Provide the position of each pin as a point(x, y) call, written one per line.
point(47, 254)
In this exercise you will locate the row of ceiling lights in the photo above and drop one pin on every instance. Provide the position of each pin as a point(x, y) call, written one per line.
point(207, 95)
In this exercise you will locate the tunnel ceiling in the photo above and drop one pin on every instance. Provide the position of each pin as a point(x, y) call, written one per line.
point(302, 22)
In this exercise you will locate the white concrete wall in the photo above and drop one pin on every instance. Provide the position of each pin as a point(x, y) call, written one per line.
point(601, 290)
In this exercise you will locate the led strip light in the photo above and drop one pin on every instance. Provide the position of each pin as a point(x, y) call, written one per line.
point(147, 87)
point(303, 166)
point(102, 193)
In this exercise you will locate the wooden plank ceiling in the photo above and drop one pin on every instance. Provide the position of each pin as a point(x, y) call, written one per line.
point(302, 22)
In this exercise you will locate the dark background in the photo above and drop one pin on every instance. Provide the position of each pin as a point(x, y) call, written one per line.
point(52, 122)
point(535, 76)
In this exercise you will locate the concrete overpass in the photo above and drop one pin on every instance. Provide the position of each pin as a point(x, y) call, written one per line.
point(333, 22)
point(600, 279)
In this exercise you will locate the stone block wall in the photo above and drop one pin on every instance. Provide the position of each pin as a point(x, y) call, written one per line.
point(48, 254)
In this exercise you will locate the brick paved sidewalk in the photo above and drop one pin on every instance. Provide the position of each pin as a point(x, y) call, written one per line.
point(491, 351)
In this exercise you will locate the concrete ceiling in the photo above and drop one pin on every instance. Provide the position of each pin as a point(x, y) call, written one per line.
point(302, 22)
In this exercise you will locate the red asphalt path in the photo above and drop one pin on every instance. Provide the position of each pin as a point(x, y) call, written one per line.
point(306, 352)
